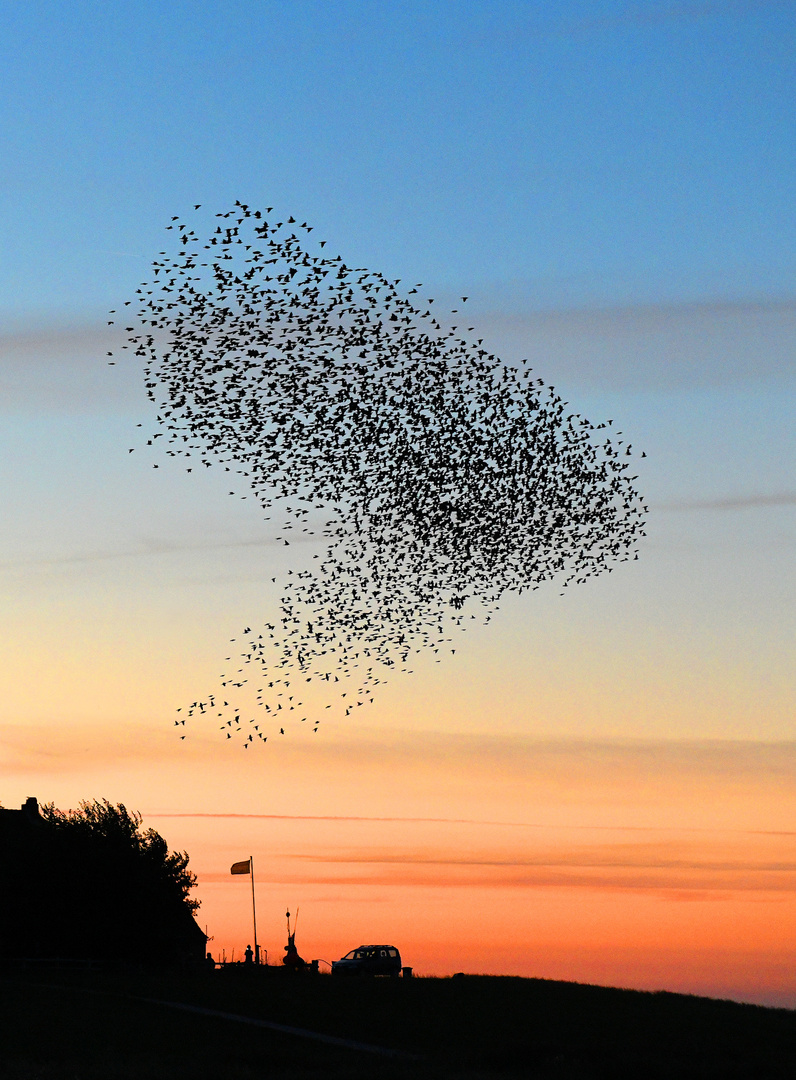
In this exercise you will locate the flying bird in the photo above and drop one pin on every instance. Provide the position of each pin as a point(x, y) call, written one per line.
point(442, 478)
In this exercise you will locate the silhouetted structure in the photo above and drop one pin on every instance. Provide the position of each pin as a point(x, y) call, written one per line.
point(92, 885)
point(291, 959)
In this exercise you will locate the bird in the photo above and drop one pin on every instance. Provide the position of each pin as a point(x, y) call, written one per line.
point(433, 477)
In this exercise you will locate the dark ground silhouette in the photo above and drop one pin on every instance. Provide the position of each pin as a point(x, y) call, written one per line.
point(473, 1027)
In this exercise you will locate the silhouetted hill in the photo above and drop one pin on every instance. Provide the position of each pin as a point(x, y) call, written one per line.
point(472, 1027)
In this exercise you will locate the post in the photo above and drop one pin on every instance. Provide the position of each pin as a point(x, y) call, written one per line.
point(254, 913)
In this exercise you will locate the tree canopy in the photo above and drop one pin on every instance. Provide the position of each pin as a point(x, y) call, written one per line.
point(92, 883)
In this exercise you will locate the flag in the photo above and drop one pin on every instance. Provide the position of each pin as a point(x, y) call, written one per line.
point(241, 867)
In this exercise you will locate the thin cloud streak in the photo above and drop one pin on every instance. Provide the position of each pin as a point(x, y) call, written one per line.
point(659, 347)
point(44, 342)
point(542, 877)
point(355, 817)
point(588, 861)
point(157, 547)
point(647, 313)
point(626, 345)
point(466, 821)
point(734, 502)
point(718, 866)
point(584, 762)
point(644, 767)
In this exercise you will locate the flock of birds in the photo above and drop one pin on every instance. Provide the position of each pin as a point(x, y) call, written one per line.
point(446, 477)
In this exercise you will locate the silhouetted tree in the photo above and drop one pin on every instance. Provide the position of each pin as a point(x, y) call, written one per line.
point(92, 883)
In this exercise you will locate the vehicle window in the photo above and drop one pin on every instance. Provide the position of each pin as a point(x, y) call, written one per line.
point(351, 955)
point(392, 952)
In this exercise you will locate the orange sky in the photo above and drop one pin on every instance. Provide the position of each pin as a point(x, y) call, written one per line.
point(650, 864)
point(599, 786)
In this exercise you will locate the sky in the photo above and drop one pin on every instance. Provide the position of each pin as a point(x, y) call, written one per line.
point(598, 786)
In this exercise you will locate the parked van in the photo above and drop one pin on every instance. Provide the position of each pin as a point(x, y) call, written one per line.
point(369, 960)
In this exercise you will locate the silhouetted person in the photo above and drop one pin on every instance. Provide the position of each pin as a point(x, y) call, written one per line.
point(248, 956)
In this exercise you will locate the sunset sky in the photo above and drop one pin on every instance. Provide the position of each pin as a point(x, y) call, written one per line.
point(598, 786)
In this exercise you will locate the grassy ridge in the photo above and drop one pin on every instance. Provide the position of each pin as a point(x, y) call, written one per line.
point(92, 1027)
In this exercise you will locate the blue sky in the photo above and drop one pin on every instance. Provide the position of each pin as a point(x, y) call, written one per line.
point(610, 184)
point(561, 155)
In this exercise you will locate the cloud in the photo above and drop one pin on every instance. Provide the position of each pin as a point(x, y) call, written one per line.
point(40, 342)
point(621, 347)
point(158, 547)
point(734, 502)
point(673, 883)
point(609, 857)
point(626, 770)
point(65, 369)
point(649, 346)
point(47, 749)
point(402, 820)
point(380, 819)
point(575, 763)
point(343, 817)
point(675, 867)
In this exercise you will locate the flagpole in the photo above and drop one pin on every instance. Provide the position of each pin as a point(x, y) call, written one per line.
point(254, 913)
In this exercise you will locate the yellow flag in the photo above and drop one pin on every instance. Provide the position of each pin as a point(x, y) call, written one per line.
point(240, 867)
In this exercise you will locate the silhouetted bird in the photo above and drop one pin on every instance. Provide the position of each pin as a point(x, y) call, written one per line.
point(447, 477)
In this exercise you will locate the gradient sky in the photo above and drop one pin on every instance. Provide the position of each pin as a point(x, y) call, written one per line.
point(597, 786)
